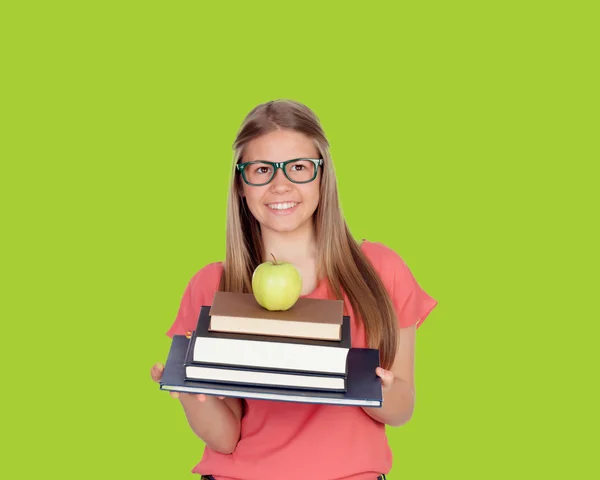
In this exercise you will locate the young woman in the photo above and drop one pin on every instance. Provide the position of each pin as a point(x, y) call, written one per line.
point(283, 200)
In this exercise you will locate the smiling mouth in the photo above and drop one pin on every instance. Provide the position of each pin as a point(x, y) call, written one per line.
point(282, 206)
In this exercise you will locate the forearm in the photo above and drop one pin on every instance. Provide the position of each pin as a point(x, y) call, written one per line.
point(213, 421)
point(398, 405)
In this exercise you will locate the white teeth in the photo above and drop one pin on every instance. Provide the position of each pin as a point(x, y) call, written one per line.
point(282, 206)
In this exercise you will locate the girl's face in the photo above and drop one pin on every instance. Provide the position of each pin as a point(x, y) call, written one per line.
point(281, 205)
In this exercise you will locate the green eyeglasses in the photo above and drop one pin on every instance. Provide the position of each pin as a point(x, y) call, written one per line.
point(297, 170)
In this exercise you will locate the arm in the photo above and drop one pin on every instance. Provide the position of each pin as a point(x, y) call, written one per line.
point(412, 305)
point(215, 421)
point(398, 384)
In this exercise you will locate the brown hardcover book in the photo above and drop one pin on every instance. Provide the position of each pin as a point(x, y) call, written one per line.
point(307, 318)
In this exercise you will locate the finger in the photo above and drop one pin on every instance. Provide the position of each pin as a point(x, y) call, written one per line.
point(174, 394)
point(156, 372)
point(222, 398)
point(201, 397)
point(386, 376)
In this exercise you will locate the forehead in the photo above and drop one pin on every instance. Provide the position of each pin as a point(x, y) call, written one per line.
point(280, 145)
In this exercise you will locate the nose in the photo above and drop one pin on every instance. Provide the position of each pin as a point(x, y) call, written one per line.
point(280, 183)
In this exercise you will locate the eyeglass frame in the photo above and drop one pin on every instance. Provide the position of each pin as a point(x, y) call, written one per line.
point(276, 165)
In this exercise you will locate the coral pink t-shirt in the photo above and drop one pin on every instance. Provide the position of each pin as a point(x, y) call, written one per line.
point(305, 441)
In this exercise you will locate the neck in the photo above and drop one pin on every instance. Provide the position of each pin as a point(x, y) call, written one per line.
point(298, 247)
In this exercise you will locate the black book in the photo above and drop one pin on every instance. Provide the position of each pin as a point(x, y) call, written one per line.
point(286, 354)
point(363, 386)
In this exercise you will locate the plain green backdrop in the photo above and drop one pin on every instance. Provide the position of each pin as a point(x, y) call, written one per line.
point(464, 135)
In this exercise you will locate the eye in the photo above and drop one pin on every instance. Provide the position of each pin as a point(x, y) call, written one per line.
point(301, 166)
point(260, 169)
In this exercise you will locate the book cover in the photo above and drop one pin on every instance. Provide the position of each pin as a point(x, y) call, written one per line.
point(204, 321)
point(307, 318)
point(363, 386)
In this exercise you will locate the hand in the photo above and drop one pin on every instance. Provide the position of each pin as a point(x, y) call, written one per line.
point(156, 374)
point(387, 378)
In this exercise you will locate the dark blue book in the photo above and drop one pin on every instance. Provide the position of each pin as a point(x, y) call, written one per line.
point(363, 386)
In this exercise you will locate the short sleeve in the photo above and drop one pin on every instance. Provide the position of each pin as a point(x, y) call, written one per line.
point(412, 304)
point(199, 291)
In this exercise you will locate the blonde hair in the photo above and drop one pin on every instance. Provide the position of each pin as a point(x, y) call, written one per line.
point(341, 260)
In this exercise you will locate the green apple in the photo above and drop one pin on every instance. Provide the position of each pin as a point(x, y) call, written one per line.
point(276, 285)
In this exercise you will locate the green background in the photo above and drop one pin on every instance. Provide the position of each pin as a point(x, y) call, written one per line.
point(464, 136)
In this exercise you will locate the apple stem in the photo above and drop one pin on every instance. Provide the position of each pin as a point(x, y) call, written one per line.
point(274, 259)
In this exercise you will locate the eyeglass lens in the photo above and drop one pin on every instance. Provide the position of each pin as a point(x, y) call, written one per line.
point(297, 171)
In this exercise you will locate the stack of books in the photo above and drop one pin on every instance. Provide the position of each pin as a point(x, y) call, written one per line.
point(304, 354)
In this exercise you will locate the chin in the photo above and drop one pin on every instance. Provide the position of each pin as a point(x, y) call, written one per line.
point(286, 224)
point(283, 227)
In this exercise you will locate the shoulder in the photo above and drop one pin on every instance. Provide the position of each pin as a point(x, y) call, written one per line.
point(210, 273)
point(411, 302)
point(385, 260)
point(199, 291)
point(376, 249)
point(205, 282)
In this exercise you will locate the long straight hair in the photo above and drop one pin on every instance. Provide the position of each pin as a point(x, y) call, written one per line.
point(340, 259)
